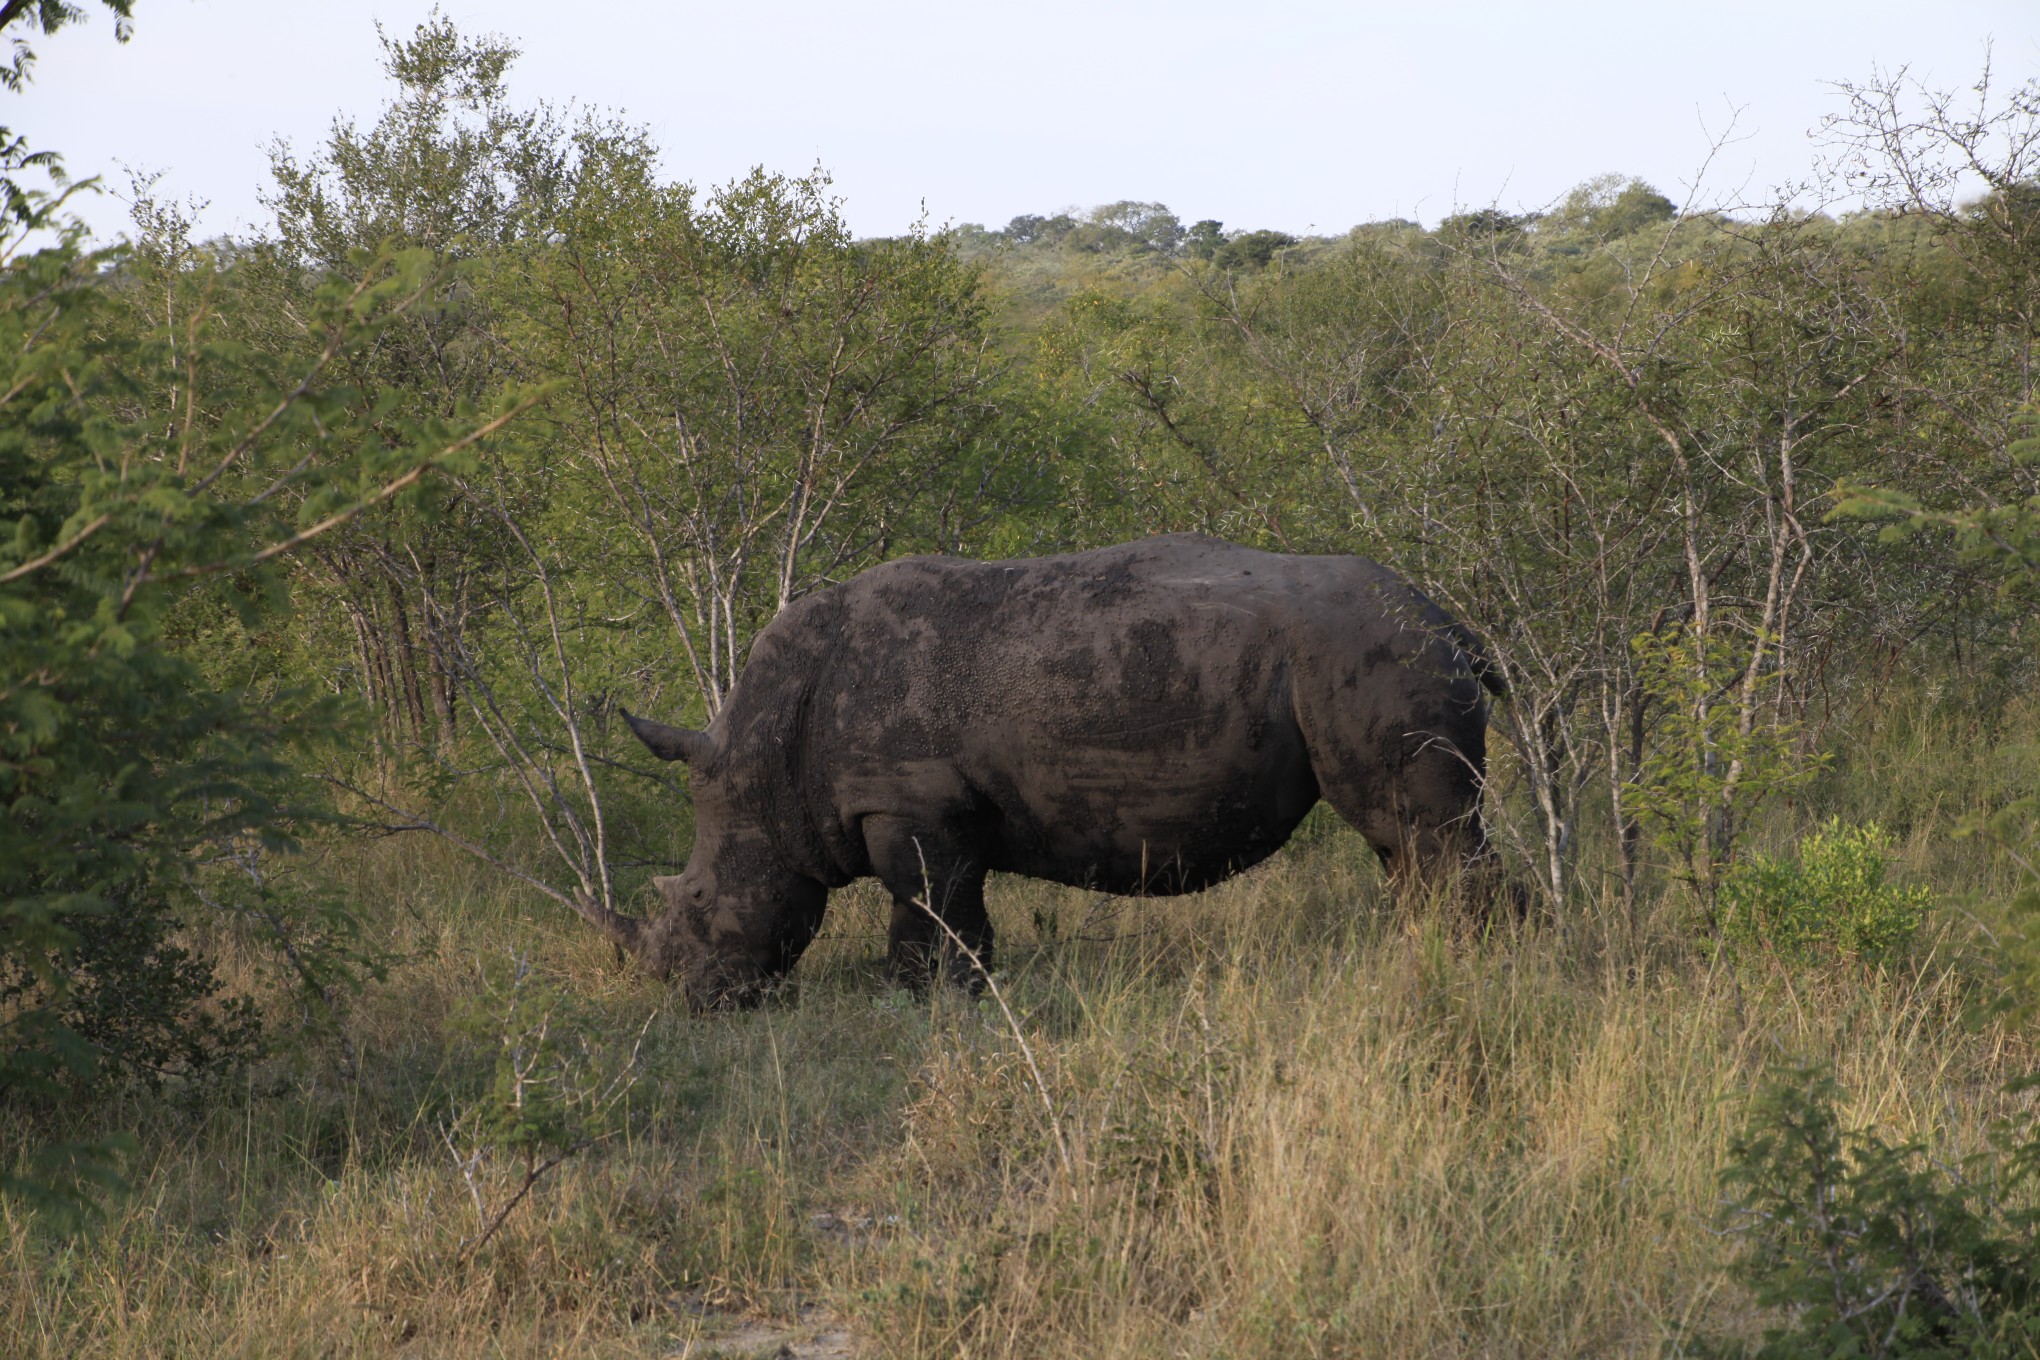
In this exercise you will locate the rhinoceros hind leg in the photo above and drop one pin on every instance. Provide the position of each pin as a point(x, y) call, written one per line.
point(926, 870)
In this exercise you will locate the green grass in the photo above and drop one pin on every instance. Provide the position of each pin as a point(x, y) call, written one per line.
point(1302, 1120)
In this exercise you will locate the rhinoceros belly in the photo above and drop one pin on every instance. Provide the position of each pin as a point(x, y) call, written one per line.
point(1144, 800)
point(1127, 837)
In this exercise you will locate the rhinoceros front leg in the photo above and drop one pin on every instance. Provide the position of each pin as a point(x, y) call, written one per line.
point(936, 882)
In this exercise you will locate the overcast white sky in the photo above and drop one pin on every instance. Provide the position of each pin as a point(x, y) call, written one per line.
point(1296, 114)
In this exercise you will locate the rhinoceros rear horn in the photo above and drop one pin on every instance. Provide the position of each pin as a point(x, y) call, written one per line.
point(670, 743)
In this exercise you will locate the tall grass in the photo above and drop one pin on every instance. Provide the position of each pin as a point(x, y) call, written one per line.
point(1303, 1120)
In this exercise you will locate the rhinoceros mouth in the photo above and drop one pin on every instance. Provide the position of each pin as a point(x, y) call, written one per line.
point(712, 982)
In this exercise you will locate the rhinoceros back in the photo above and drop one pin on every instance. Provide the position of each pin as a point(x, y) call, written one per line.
point(1150, 716)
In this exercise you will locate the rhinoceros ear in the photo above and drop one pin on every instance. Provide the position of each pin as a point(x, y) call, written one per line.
point(670, 743)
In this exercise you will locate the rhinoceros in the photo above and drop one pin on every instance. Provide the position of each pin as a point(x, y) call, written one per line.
point(1146, 718)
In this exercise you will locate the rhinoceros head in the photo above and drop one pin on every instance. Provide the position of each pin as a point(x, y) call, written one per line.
point(738, 916)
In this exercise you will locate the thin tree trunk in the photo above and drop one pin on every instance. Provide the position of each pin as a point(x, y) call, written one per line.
point(407, 661)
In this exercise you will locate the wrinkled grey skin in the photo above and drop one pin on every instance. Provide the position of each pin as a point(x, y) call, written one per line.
point(1152, 717)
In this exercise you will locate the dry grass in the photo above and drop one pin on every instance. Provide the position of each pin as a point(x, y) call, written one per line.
point(1304, 1122)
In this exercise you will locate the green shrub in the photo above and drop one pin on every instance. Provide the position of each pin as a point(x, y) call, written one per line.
point(140, 795)
point(1830, 898)
point(556, 1090)
point(1876, 1249)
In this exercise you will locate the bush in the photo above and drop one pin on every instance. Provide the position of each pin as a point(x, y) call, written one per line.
point(555, 1091)
point(1874, 1249)
point(140, 795)
point(1828, 899)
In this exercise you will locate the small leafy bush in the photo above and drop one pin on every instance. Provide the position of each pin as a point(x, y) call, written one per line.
point(1830, 898)
point(1875, 1249)
point(1711, 766)
point(556, 1090)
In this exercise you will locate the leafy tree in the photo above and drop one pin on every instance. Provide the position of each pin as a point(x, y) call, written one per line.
point(1030, 228)
point(1204, 238)
point(156, 480)
point(23, 204)
point(751, 404)
point(1485, 227)
point(449, 166)
point(1251, 249)
point(1569, 448)
point(775, 406)
point(1131, 225)
point(144, 479)
point(1607, 208)
point(2003, 538)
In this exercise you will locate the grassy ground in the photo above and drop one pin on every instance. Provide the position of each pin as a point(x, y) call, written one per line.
point(1286, 1118)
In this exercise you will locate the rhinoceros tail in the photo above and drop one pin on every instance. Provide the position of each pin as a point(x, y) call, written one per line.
point(1485, 668)
point(670, 743)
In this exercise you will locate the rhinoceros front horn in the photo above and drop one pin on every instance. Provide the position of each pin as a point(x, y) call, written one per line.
point(670, 743)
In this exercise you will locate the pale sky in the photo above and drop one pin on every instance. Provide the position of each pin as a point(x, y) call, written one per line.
point(1301, 115)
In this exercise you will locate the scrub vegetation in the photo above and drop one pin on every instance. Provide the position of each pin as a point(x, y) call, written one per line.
point(330, 556)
